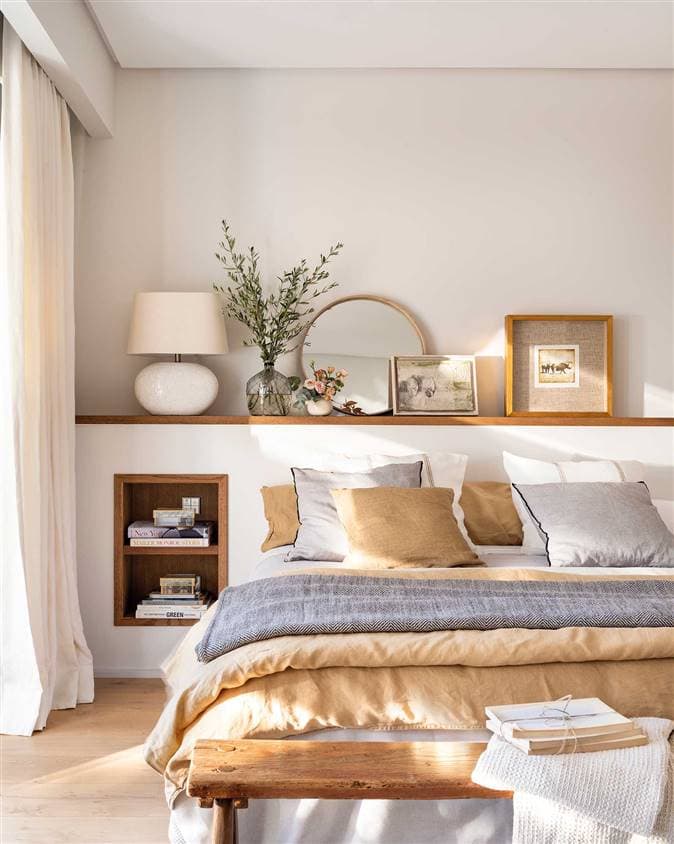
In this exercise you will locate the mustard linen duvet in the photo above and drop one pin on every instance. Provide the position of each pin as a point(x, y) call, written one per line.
point(441, 680)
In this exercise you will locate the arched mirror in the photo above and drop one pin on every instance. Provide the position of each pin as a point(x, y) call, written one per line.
point(359, 334)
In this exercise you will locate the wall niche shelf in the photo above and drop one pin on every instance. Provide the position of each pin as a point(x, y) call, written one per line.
point(598, 421)
point(137, 570)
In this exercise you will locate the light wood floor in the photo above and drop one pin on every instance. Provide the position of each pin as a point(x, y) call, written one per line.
point(83, 779)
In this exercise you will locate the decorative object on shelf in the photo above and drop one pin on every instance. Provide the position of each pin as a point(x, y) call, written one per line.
point(321, 388)
point(274, 321)
point(268, 393)
point(166, 517)
point(369, 329)
point(352, 409)
point(191, 502)
point(319, 407)
point(180, 584)
point(176, 324)
point(559, 365)
point(434, 385)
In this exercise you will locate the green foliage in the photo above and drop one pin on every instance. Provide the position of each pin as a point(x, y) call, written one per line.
point(276, 320)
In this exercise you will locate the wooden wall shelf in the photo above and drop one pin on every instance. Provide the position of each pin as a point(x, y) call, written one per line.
point(137, 569)
point(598, 421)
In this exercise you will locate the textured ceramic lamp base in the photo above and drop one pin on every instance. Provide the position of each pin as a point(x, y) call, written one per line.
point(176, 389)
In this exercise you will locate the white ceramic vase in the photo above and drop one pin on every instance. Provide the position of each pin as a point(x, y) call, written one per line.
point(176, 389)
point(319, 407)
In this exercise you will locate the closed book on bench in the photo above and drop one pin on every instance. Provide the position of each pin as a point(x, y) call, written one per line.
point(555, 719)
point(573, 743)
point(605, 743)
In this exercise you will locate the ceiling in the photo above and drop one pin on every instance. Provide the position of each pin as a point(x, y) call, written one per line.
point(387, 33)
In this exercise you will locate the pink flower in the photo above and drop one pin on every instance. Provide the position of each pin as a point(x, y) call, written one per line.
point(342, 373)
point(319, 386)
point(309, 384)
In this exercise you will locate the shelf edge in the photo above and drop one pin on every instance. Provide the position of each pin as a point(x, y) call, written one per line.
point(505, 421)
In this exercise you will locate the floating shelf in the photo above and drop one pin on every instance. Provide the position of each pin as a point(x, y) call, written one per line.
point(599, 421)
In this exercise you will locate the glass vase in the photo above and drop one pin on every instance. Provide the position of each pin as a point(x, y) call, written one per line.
point(268, 393)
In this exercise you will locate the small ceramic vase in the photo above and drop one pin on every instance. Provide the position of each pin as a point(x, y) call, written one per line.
point(319, 407)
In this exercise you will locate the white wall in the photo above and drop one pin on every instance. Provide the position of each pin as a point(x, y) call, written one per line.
point(465, 195)
point(253, 456)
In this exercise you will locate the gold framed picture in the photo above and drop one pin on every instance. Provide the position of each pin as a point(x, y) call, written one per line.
point(434, 385)
point(559, 365)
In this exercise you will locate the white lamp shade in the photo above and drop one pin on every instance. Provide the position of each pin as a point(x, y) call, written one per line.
point(177, 323)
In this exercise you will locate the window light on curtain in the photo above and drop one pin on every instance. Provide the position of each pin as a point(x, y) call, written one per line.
point(45, 660)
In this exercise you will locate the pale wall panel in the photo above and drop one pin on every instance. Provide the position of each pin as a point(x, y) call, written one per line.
point(465, 195)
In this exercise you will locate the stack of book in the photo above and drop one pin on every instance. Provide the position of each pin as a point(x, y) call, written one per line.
point(148, 534)
point(563, 726)
point(179, 596)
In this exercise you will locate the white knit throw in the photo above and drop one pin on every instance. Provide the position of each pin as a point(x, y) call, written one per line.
point(608, 797)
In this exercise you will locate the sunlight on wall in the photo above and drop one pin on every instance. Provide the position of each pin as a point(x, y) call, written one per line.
point(495, 347)
point(321, 447)
point(658, 401)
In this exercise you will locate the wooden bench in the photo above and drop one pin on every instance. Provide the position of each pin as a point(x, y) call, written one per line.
point(227, 774)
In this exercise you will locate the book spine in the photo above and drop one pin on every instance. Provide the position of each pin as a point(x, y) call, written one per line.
point(147, 542)
point(158, 602)
point(151, 532)
point(158, 533)
point(635, 741)
point(167, 598)
point(165, 612)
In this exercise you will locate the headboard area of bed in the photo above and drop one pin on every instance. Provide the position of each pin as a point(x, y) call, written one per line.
point(257, 455)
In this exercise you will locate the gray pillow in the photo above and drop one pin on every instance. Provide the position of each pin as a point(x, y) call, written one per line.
point(598, 524)
point(321, 535)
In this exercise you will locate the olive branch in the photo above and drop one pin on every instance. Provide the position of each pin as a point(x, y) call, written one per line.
point(274, 321)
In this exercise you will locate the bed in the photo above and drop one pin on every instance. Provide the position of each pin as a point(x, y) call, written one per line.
point(394, 687)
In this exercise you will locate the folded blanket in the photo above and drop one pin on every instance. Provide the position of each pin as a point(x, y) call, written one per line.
point(587, 797)
point(311, 604)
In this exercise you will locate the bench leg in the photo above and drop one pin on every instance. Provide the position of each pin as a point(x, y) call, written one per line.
point(224, 822)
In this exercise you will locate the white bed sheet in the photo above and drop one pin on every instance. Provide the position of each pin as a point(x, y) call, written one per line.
point(500, 556)
point(371, 821)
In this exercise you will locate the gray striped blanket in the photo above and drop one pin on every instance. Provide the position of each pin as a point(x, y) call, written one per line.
point(302, 604)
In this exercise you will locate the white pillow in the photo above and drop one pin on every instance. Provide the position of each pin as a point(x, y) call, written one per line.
point(440, 469)
point(524, 470)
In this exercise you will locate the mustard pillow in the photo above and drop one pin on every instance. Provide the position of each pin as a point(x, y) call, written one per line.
point(280, 510)
point(393, 527)
point(490, 515)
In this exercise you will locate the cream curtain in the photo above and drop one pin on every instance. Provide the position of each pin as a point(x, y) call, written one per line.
point(45, 660)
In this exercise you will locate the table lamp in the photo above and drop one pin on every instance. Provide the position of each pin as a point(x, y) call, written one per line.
point(176, 324)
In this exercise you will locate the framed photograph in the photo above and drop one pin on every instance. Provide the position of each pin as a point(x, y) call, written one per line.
point(434, 385)
point(556, 366)
point(559, 365)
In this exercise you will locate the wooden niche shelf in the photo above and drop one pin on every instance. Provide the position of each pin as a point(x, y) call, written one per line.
point(137, 570)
